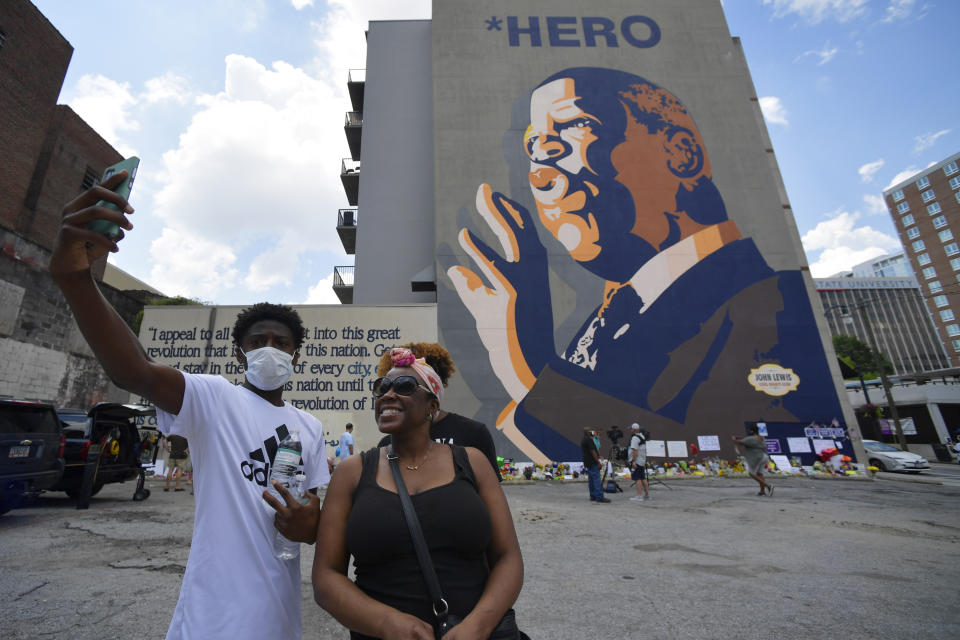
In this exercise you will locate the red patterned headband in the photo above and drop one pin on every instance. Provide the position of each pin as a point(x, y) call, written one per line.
point(402, 357)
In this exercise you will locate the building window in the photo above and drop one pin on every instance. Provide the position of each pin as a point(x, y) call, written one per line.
point(950, 169)
point(913, 232)
point(939, 221)
point(89, 179)
point(946, 315)
point(918, 245)
point(953, 329)
point(955, 264)
point(923, 183)
point(929, 272)
point(957, 196)
point(934, 208)
point(940, 301)
point(923, 258)
point(903, 207)
point(907, 220)
point(935, 286)
point(945, 235)
point(898, 195)
point(951, 249)
point(955, 183)
point(928, 195)
point(956, 345)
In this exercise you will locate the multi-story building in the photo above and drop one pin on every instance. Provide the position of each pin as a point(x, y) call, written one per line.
point(588, 193)
point(49, 156)
point(894, 265)
point(926, 212)
point(888, 312)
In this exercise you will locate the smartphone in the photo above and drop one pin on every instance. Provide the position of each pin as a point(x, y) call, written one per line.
point(130, 165)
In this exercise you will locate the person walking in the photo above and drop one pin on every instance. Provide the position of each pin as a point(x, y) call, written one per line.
point(178, 450)
point(590, 446)
point(346, 442)
point(638, 463)
point(755, 453)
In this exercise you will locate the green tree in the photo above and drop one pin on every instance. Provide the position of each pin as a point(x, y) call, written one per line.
point(175, 301)
point(853, 351)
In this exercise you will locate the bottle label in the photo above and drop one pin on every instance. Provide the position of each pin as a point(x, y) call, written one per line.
point(287, 457)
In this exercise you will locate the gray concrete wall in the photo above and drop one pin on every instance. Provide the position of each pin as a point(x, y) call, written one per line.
point(395, 204)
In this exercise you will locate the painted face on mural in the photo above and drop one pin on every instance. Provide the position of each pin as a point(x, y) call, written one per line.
point(606, 183)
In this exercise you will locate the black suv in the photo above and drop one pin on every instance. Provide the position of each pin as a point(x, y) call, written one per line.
point(31, 450)
point(125, 436)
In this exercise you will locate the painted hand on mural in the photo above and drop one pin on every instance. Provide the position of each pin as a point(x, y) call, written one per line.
point(519, 289)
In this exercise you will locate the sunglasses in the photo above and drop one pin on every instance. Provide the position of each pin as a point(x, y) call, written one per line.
point(401, 385)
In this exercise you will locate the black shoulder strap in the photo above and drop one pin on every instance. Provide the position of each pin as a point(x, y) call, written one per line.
point(419, 544)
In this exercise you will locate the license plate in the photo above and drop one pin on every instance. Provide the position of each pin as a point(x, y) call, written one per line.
point(20, 451)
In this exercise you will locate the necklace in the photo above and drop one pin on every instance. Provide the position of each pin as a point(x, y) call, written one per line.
point(416, 467)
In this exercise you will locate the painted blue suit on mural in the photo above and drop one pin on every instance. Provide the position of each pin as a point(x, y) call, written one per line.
point(690, 311)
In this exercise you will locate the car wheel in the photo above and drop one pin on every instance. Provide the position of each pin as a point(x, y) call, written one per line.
point(879, 465)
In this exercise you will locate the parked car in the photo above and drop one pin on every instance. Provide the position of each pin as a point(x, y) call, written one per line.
point(125, 436)
point(31, 451)
point(887, 457)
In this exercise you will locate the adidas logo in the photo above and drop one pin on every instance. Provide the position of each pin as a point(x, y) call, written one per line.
point(264, 456)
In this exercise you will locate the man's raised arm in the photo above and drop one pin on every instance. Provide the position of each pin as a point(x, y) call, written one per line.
point(115, 346)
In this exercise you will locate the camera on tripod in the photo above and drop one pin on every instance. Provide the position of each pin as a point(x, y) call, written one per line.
point(617, 453)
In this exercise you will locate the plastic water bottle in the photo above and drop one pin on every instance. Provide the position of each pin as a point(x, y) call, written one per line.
point(286, 466)
point(288, 549)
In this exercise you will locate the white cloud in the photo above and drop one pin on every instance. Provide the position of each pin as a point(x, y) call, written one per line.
point(843, 245)
point(191, 265)
point(322, 293)
point(825, 55)
point(898, 10)
point(300, 4)
point(169, 87)
point(773, 110)
point(869, 170)
point(106, 105)
point(927, 140)
point(875, 204)
point(903, 175)
point(816, 11)
point(256, 165)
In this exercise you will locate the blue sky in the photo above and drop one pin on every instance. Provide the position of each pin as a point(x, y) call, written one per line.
point(236, 109)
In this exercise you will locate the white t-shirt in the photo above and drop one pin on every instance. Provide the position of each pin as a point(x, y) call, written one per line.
point(346, 441)
point(640, 446)
point(234, 587)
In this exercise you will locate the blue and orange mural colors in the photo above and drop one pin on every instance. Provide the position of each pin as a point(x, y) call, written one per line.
point(695, 334)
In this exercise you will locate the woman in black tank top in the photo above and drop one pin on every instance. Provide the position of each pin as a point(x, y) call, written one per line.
point(462, 510)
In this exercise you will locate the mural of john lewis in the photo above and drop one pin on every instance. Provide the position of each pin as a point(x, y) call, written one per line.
point(621, 178)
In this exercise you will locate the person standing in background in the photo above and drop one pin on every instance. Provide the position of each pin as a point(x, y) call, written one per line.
point(590, 446)
point(755, 454)
point(638, 463)
point(178, 452)
point(346, 442)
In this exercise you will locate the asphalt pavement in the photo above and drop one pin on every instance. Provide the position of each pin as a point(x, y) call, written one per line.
point(705, 558)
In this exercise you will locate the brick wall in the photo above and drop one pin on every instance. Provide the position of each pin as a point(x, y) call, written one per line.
point(33, 64)
point(43, 356)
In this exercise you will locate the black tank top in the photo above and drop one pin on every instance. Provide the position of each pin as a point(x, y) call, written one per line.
point(456, 527)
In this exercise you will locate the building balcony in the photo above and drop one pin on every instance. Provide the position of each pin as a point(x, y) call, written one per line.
point(347, 229)
point(356, 79)
point(343, 283)
point(353, 127)
point(350, 177)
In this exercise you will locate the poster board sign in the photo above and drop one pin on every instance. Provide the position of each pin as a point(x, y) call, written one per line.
point(708, 443)
point(677, 448)
point(888, 428)
point(773, 445)
point(820, 444)
point(656, 449)
point(799, 445)
point(783, 464)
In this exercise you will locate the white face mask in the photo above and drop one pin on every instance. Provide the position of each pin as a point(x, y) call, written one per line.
point(268, 368)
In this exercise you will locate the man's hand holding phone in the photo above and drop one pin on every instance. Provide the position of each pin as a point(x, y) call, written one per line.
point(77, 245)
